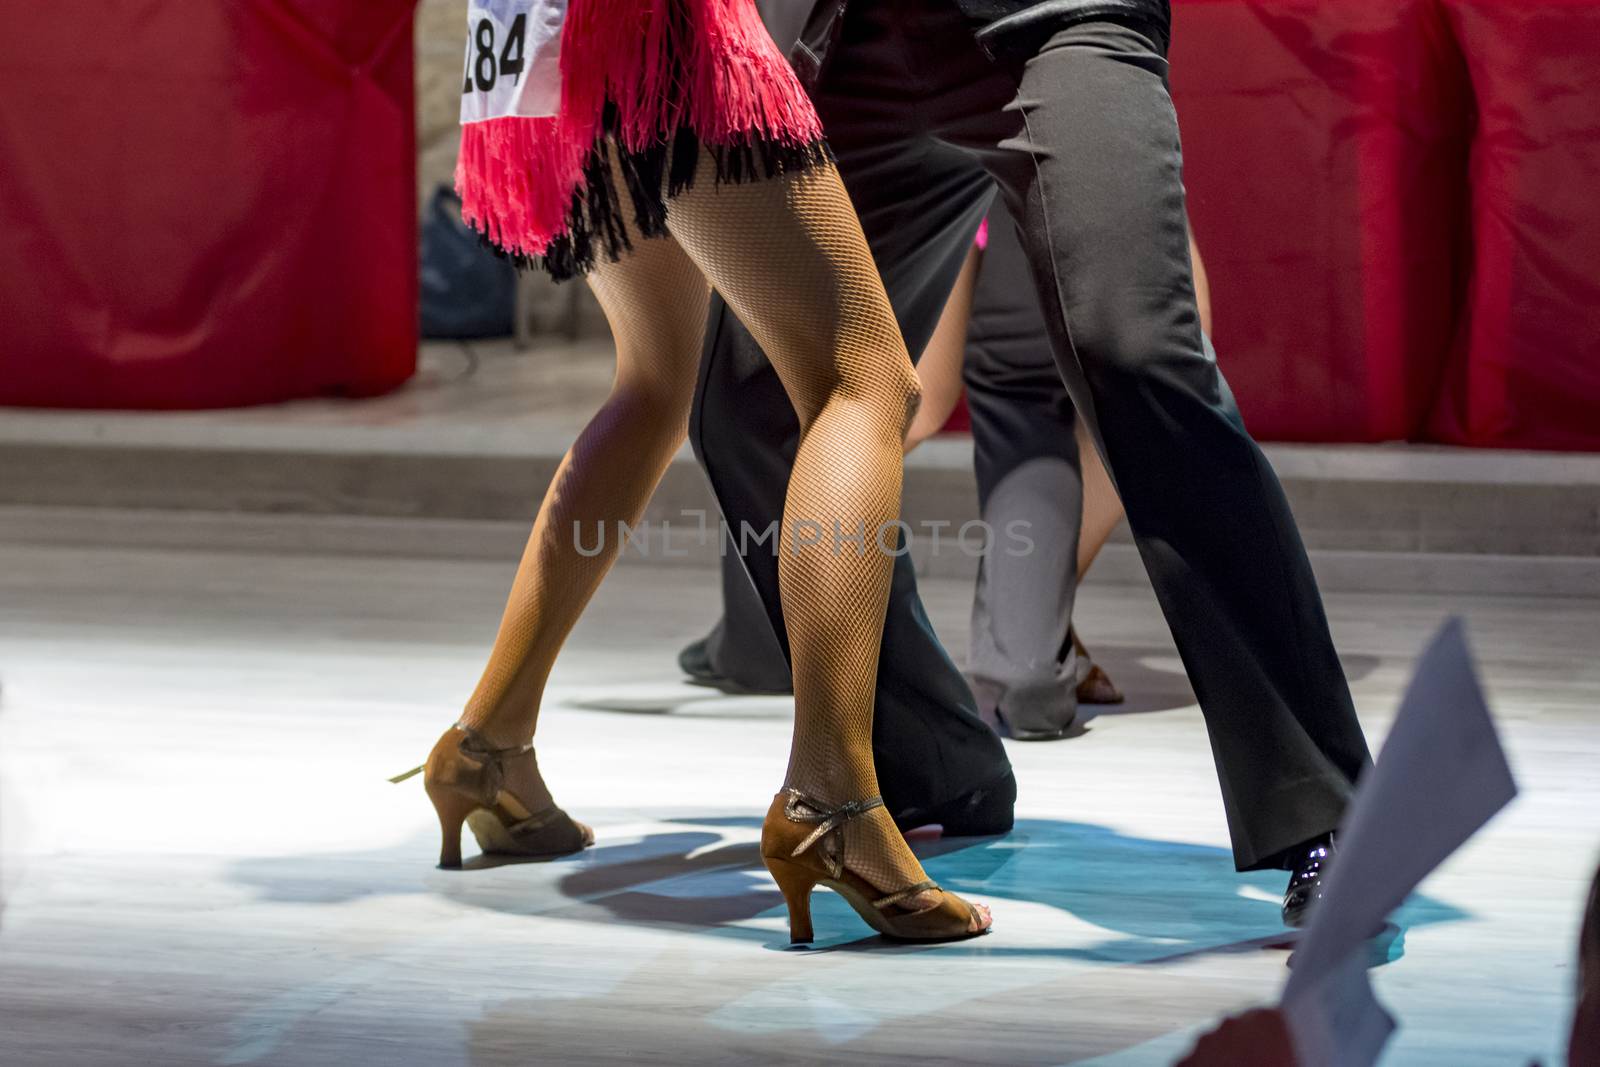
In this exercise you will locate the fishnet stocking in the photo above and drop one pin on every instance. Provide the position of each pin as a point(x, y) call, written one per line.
point(789, 257)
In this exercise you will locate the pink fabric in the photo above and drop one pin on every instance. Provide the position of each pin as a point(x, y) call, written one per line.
point(517, 176)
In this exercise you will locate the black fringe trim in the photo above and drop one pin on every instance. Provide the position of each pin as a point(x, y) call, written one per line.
point(597, 225)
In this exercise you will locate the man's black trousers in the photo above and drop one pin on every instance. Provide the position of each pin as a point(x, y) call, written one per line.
point(1080, 139)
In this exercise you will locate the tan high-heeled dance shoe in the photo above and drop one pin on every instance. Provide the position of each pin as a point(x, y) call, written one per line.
point(802, 844)
point(465, 778)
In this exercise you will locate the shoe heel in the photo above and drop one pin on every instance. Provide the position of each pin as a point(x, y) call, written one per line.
point(453, 809)
point(796, 883)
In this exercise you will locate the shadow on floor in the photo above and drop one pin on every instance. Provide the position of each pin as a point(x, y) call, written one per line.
point(684, 700)
point(1152, 678)
point(1156, 903)
point(1140, 900)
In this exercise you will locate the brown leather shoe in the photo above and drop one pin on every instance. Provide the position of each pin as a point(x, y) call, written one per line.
point(802, 845)
point(464, 777)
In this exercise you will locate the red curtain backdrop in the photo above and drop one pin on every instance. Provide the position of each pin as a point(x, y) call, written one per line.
point(1325, 143)
point(1525, 372)
point(206, 204)
point(214, 204)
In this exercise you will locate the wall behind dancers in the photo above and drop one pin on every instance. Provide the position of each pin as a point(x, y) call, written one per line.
point(438, 93)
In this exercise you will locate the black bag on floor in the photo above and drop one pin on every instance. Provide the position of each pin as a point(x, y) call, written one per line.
point(467, 291)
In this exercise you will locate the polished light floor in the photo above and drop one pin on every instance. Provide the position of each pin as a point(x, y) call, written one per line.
point(203, 864)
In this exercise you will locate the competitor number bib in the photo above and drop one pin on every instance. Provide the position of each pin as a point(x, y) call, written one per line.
point(513, 59)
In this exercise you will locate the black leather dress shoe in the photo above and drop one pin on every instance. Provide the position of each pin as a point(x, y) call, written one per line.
point(695, 661)
point(1052, 732)
point(982, 812)
point(1305, 883)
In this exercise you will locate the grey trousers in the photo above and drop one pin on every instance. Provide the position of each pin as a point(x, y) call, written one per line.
point(1021, 661)
point(1030, 484)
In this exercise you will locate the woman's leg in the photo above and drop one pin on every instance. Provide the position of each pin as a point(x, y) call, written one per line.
point(788, 256)
point(939, 369)
point(1102, 511)
point(1102, 507)
point(656, 302)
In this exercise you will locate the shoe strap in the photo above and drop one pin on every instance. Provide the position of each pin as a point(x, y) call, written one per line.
point(829, 824)
point(476, 748)
point(905, 894)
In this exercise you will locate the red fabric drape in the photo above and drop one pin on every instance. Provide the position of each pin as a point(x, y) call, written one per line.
point(1525, 372)
point(1324, 148)
point(206, 204)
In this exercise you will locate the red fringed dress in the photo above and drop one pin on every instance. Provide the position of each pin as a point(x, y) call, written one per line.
point(659, 82)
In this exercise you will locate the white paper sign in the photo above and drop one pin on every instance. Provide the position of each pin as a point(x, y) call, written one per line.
point(513, 66)
point(1442, 775)
point(1337, 1021)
